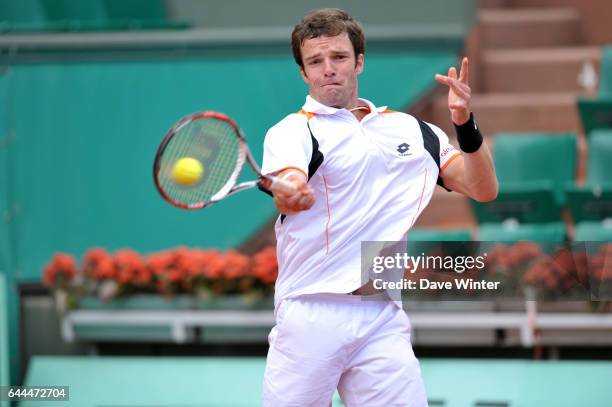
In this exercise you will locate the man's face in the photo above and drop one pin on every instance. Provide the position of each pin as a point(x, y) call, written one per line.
point(330, 70)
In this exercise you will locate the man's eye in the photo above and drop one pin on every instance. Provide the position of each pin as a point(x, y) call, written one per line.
point(315, 61)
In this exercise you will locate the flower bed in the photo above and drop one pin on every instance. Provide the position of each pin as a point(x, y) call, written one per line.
point(207, 276)
point(578, 273)
point(208, 279)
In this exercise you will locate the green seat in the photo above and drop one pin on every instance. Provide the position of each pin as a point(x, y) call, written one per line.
point(136, 9)
point(84, 15)
point(140, 14)
point(597, 113)
point(591, 204)
point(23, 15)
point(71, 10)
point(528, 190)
point(426, 240)
point(605, 83)
point(435, 235)
point(599, 169)
point(526, 202)
point(520, 158)
point(593, 232)
point(547, 234)
point(71, 15)
point(593, 201)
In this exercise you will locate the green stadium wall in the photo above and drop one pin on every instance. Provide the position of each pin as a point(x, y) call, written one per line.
point(81, 116)
point(80, 138)
point(85, 134)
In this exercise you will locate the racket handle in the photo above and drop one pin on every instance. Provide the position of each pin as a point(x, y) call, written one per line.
point(277, 184)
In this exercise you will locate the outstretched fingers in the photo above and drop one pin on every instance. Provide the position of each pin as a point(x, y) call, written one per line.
point(461, 89)
point(464, 72)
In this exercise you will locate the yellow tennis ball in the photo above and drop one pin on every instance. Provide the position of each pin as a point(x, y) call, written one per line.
point(187, 171)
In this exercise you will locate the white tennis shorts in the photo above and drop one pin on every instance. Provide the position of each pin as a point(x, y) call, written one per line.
point(359, 346)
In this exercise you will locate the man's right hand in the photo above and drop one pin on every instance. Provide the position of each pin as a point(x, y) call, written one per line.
point(301, 200)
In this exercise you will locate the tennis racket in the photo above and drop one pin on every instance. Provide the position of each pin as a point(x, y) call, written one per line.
point(216, 150)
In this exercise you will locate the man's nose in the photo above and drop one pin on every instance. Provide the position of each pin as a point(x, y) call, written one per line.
point(329, 68)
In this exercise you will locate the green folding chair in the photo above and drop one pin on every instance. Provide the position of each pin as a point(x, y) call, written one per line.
point(597, 113)
point(605, 82)
point(141, 14)
point(425, 240)
point(22, 15)
point(591, 204)
point(533, 170)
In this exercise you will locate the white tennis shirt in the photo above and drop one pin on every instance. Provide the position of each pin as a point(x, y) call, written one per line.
point(371, 179)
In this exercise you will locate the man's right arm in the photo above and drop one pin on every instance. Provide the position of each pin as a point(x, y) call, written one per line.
point(301, 200)
point(287, 152)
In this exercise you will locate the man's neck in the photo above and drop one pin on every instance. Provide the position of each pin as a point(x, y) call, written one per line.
point(360, 111)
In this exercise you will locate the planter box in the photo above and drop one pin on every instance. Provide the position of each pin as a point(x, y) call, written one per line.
point(139, 302)
point(234, 302)
point(448, 306)
point(121, 333)
point(157, 304)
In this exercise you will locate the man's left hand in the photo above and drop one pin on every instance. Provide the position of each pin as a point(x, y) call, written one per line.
point(459, 92)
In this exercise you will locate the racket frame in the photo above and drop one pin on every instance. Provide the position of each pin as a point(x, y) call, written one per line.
point(230, 187)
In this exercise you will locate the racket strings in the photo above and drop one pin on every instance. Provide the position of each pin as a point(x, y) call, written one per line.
point(214, 143)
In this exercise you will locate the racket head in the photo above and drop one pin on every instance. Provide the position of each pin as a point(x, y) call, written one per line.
point(216, 142)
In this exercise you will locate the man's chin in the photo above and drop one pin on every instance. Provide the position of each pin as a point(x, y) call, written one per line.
point(336, 102)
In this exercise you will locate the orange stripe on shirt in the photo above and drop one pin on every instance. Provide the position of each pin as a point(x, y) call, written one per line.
point(290, 168)
point(309, 115)
point(420, 200)
point(450, 160)
point(328, 216)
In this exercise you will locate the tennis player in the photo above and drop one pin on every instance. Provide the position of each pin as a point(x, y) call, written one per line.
point(362, 173)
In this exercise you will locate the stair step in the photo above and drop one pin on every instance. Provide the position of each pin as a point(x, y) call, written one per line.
point(496, 112)
point(523, 28)
point(538, 70)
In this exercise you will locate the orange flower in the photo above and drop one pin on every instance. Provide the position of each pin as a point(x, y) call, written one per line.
point(158, 262)
point(498, 257)
point(265, 265)
point(105, 270)
point(171, 271)
point(206, 264)
point(98, 264)
point(235, 265)
point(131, 268)
point(521, 252)
point(60, 270)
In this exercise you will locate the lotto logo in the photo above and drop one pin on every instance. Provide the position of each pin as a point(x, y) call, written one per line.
point(403, 148)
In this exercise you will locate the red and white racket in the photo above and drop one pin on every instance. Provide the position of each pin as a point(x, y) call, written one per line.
point(200, 159)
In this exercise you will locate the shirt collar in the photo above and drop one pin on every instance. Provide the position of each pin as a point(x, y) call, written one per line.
point(313, 106)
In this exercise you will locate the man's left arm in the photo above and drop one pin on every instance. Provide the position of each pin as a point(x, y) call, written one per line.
point(473, 173)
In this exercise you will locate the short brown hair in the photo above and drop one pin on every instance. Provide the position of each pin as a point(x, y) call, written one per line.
point(326, 22)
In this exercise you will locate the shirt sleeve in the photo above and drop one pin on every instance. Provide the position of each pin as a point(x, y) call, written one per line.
point(287, 145)
point(448, 152)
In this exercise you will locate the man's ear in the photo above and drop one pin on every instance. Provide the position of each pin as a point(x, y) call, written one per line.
point(359, 64)
point(303, 73)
